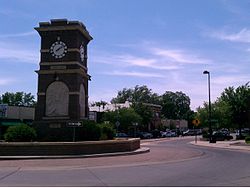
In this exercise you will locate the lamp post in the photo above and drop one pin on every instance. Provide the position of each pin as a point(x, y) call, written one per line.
point(135, 124)
point(209, 106)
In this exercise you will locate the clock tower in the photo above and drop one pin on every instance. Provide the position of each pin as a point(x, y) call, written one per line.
point(63, 75)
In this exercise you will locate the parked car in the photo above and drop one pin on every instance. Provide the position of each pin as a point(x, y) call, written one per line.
point(244, 133)
point(225, 131)
point(144, 135)
point(189, 132)
point(121, 135)
point(156, 133)
point(192, 132)
point(169, 134)
point(221, 136)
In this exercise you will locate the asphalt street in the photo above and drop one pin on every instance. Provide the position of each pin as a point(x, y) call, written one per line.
point(169, 163)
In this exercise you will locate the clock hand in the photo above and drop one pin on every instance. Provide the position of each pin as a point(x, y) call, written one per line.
point(59, 48)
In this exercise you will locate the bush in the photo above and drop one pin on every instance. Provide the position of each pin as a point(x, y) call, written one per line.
point(20, 133)
point(247, 139)
point(90, 131)
point(205, 134)
point(107, 131)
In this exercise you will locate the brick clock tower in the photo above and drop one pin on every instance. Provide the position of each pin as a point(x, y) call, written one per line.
point(62, 96)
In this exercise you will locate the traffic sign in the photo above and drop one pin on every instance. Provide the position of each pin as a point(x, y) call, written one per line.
point(117, 124)
point(74, 124)
point(196, 122)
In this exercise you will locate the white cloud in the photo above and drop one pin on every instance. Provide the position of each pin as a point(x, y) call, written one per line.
point(135, 61)
point(125, 60)
point(6, 81)
point(241, 36)
point(30, 33)
point(16, 52)
point(180, 56)
point(230, 80)
point(153, 58)
point(134, 74)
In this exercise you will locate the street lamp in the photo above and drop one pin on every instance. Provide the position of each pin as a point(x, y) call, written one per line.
point(135, 124)
point(209, 103)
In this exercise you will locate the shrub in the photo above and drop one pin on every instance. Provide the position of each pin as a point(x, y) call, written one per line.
point(90, 131)
point(247, 139)
point(20, 133)
point(205, 134)
point(107, 131)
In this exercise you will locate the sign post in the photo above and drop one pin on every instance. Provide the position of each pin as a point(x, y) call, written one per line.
point(74, 125)
point(196, 122)
point(117, 124)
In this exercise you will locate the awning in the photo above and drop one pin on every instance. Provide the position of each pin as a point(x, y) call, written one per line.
point(8, 123)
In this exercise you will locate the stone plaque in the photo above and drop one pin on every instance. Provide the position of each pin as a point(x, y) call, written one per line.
point(55, 125)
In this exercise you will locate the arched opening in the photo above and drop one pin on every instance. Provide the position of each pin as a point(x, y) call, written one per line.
point(57, 99)
point(82, 101)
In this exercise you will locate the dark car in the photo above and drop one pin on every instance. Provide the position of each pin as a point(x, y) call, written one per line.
point(156, 133)
point(244, 133)
point(144, 135)
point(121, 135)
point(221, 136)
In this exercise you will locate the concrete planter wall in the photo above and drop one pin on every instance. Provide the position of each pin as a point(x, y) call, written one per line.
point(67, 148)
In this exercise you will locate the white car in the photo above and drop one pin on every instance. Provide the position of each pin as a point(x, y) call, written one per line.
point(168, 134)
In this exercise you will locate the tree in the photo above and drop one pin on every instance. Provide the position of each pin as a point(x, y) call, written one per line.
point(229, 110)
point(175, 105)
point(125, 116)
point(139, 94)
point(145, 112)
point(99, 104)
point(123, 96)
point(238, 101)
point(220, 113)
point(18, 99)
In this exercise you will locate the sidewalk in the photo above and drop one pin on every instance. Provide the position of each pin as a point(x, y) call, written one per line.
point(233, 144)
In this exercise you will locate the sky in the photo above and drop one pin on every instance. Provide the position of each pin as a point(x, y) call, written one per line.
point(163, 44)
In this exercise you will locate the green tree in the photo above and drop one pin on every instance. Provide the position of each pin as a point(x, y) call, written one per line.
point(123, 96)
point(220, 115)
point(99, 104)
point(175, 105)
point(125, 116)
point(238, 101)
point(18, 99)
point(138, 94)
point(229, 110)
point(145, 112)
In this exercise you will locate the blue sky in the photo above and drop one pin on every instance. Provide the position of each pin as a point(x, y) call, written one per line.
point(164, 44)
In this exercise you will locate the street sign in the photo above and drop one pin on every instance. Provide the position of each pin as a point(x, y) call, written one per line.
point(74, 124)
point(196, 122)
point(117, 124)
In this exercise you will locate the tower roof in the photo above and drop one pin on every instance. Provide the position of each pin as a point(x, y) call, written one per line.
point(63, 24)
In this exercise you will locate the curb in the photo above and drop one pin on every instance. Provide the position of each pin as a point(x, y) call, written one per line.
point(138, 151)
point(228, 146)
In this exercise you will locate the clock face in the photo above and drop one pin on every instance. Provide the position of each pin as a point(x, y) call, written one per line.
point(58, 49)
point(82, 53)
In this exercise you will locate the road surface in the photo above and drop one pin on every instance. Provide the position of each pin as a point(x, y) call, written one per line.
point(169, 163)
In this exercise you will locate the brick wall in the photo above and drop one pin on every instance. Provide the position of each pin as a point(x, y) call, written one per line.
point(68, 148)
